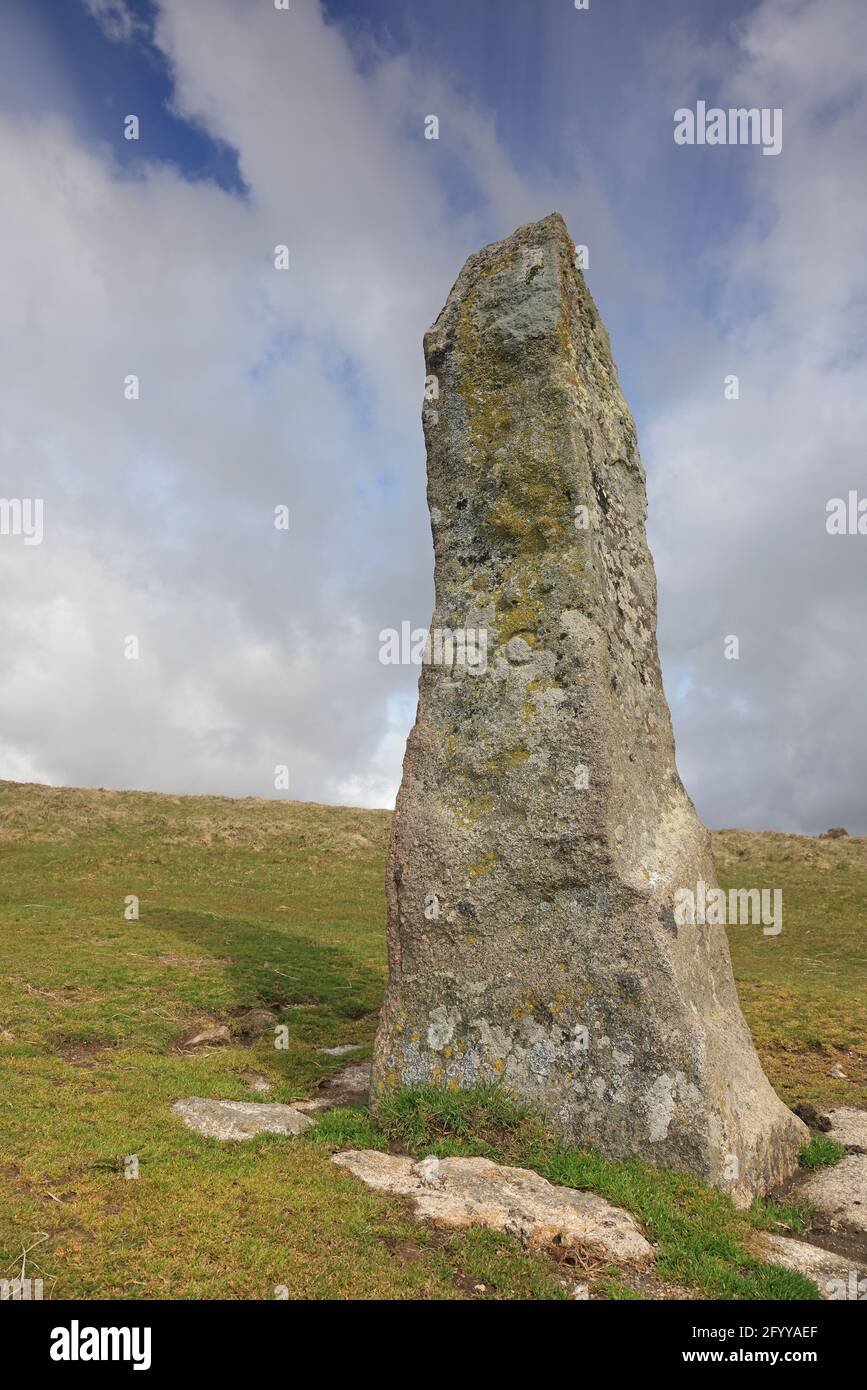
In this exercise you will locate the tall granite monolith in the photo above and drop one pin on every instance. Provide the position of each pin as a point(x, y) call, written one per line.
point(542, 833)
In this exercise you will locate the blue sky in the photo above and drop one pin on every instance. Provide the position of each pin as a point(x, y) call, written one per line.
point(559, 86)
point(306, 127)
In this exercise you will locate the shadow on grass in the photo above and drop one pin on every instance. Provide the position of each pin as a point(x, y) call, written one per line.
point(276, 967)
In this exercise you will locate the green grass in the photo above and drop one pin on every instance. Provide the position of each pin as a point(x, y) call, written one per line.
point(802, 992)
point(820, 1152)
point(278, 904)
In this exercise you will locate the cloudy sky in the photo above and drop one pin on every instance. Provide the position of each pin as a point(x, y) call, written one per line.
point(260, 388)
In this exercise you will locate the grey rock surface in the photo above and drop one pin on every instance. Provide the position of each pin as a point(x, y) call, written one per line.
point(835, 1275)
point(541, 830)
point(849, 1127)
point(213, 1036)
point(461, 1192)
point(350, 1086)
point(258, 1083)
point(239, 1119)
point(839, 1191)
point(256, 1021)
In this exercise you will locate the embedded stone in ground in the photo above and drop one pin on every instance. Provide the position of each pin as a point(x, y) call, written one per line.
point(341, 1050)
point(239, 1119)
point(458, 1192)
point(351, 1086)
point(849, 1127)
point(255, 1021)
point(257, 1083)
point(832, 1273)
point(542, 840)
point(839, 1191)
point(214, 1036)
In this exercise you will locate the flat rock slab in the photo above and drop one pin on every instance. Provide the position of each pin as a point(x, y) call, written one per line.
point(840, 1191)
point(849, 1127)
point(458, 1192)
point(351, 1086)
point(239, 1119)
point(834, 1274)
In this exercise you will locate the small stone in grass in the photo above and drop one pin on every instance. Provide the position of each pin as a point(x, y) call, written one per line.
point(239, 1119)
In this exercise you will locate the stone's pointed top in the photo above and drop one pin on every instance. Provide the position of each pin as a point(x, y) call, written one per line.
point(524, 292)
point(549, 228)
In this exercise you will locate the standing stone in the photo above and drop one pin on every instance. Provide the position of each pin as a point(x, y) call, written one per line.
point(541, 830)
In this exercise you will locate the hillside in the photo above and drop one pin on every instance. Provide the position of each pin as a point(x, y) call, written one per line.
point(279, 905)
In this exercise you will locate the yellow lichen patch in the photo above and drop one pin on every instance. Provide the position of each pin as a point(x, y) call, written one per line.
point(469, 810)
point(530, 511)
point(531, 508)
point(513, 757)
point(504, 260)
point(506, 761)
point(519, 611)
point(485, 865)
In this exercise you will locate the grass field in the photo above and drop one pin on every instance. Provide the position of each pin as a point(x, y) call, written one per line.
point(279, 904)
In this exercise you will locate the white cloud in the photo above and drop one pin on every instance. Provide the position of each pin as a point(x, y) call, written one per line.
point(115, 18)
